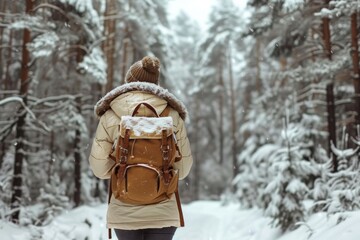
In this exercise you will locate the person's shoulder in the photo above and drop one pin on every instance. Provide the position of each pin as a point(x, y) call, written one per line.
point(109, 118)
point(175, 116)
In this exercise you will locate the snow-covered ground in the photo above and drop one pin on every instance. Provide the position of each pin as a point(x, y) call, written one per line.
point(205, 220)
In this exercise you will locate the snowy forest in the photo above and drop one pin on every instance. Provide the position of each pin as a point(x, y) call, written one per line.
point(272, 91)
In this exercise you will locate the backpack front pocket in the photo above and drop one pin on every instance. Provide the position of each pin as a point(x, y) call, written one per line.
point(141, 183)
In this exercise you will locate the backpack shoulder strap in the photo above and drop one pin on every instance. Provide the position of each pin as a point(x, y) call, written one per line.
point(166, 111)
point(181, 215)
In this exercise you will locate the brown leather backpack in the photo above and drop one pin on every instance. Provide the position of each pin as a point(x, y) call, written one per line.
point(145, 153)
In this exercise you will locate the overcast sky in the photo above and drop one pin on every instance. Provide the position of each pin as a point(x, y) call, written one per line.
point(197, 9)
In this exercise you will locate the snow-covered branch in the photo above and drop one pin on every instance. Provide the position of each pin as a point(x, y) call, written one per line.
point(21, 101)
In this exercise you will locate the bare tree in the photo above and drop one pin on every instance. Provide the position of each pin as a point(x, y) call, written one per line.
point(330, 97)
point(355, 60)
point(20, 132)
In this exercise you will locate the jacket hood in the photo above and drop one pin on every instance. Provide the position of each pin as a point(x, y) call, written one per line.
point(113, 98)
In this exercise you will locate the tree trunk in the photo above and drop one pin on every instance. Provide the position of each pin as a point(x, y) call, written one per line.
point(109, 44)
point(2, 69)
point(197, 163)
point(2, 153)
point(77, 158)
point(20, 133)
point(51, 160)
point(356, 68)
point(329, 89)
point(258, 83)
point(313, 54)
point(7, 77)
point(221, 115)
point(326, 35)
point(331, 123)
point(77, 141)
point(234, 129)
point(124, 58)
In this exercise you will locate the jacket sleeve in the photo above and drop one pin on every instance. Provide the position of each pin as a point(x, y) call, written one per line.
point(184, 165)
point(99, 160)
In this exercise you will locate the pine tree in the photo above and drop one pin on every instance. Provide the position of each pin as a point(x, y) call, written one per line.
point(344, 193)
point(143, 18)
point(217, 75)
point(65, 33)
point(182, 75)
point(291, 168)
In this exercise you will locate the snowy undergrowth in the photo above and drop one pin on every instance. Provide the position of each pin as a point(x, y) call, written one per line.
point(205, 220)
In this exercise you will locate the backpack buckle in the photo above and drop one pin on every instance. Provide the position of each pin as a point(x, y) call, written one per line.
point(124, 151)
point(123, 159)
point(165, 152)
point(124, 154)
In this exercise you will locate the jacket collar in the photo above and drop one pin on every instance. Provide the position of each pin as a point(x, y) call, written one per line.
point(104, 103)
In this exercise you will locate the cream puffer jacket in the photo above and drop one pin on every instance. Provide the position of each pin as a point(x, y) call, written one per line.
point(122, 101)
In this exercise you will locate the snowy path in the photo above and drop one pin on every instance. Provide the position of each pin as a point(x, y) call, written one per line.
point(204, 220)
point(211, 221)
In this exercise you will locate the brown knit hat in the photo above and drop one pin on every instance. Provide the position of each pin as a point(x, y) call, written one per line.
point(146, 70)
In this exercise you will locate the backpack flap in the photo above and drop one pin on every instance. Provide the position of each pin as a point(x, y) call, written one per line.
point(146, 127)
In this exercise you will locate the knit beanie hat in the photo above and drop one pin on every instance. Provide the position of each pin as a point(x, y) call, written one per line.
point(146, 70)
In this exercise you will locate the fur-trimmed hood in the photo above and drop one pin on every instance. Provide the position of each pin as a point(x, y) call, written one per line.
point(104, 103)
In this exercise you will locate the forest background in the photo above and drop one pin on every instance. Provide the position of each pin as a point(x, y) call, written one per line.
point(273, 94)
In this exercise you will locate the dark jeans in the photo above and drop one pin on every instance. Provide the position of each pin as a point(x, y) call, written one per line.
point(146, 234)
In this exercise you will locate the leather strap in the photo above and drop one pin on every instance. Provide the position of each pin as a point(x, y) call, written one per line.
point(147, 105)
point(117, 150)
point(109, 198)
point(123, 153)
point(178, 158)
point(109, 233)
point(165, 148)
point(122, 150)
point(124, 147)
point(182, 222)
point(166, 111)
